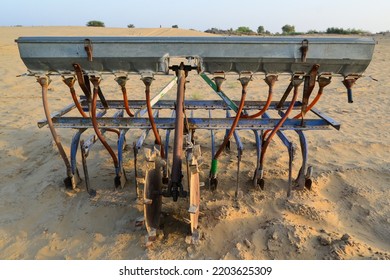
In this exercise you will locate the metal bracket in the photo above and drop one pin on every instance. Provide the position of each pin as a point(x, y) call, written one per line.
point(88, 48)
point(304, 49)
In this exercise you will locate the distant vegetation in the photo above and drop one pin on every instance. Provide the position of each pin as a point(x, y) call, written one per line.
point(286, 30)
point(242, 30)
point(336, 30)
point(95, 23)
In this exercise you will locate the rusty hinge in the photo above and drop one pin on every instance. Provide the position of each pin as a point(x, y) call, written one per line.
point(88, 48)
point(304, 49)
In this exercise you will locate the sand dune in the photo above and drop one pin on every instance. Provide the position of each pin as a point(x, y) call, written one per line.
point(345, 215)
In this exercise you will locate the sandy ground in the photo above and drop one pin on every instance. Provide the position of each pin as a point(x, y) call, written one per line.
point(345, 215)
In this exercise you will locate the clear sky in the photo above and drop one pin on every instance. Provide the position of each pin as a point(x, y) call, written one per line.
point(370, 15)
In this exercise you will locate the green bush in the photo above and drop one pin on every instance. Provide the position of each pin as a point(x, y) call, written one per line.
point(288, 29)
point(244, 30)
point(95, 23)
point(260, 30)
point(336, 30)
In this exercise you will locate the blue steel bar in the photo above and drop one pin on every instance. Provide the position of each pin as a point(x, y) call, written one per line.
point(57, 114)
point(193, 104)
point(194, 123)
point(326, 118)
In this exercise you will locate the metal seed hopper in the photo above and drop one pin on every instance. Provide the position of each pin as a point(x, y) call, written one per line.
point(86, 60)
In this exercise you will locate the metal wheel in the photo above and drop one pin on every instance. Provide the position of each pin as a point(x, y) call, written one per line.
point(152, 202)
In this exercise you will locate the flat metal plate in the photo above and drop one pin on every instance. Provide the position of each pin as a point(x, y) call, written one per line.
point(229, 54)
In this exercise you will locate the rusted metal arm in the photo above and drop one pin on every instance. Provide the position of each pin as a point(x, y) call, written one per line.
point(244, 82)
point(85, 87)
point(96, 81)
point(44, 81)
point(348, 82)
point(179, 126)
point(148, 81)
point(285, 95)
point(122, 83)
point(270, 80)
point(322, 82)
point(70, 83)
point(309, 83)
point(296, 82)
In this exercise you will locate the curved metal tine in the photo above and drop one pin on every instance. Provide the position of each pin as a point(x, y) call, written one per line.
point(257, 175)
point(121, 144)
point(291, 150)
point(85, 147)
point(73, 152)
point(84, 154)
point(301, 179)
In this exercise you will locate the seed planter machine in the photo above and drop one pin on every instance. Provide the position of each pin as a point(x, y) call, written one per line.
point(86, 61)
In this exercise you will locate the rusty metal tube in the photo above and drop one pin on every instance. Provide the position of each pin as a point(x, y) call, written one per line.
point(80, 79)
point(44, 82)
point(148, 81)
point(309, 83)
point(179, 127)
point(296, 83)
point(270, 80)
point(348, 83)
point(285, 95)
point(244, 82)
point(122, 83)
point(322, 82)
point(70, 83)
point(95, 81)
